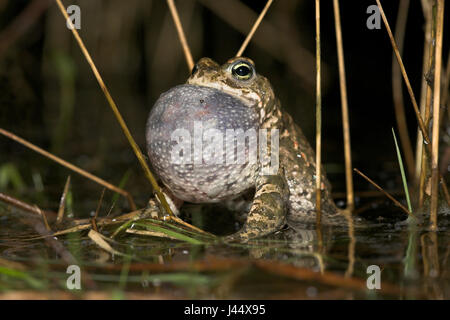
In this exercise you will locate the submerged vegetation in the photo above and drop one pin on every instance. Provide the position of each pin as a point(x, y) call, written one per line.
point(55, 220)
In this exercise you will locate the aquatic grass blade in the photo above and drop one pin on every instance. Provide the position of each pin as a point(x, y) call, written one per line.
point(17, 274)
point(402, 171)
point(170, 233)
point(180, 229)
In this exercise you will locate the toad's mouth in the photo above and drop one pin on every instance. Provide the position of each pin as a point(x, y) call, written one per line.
point(228, 86)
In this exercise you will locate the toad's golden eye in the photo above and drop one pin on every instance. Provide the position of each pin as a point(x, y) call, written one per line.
point(242, 70)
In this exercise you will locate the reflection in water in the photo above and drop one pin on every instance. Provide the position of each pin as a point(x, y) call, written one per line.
point(410, 270)
point(431, 270)
point(430, 254)
point(288, 264)
point(351, 244)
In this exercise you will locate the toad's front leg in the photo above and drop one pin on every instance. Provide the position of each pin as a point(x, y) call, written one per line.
point(268, 211)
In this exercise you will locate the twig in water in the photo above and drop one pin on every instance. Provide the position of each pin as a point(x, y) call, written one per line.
point(23, 206)
point(44, 217)
point(69, 166)
point(99, 204)
point(397, 203)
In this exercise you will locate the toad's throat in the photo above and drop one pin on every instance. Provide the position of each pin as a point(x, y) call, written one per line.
point(202, 142)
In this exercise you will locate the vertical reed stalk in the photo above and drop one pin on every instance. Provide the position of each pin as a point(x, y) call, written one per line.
point(427, 13)
point(436, 114)
point(318, 120)
point(426, 100)
point(344, 106)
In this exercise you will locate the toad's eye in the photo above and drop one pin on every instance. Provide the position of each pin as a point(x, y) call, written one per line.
point(242, 70)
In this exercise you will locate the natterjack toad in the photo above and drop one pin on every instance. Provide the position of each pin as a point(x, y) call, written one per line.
point(199, 133)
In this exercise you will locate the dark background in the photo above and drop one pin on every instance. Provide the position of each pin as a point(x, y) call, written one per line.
point(49, 96)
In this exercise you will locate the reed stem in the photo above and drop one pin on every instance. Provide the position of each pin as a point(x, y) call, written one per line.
point(397, 90)
point(181, 35)
point(318, 120)
point(344, 106)
point(436, 115)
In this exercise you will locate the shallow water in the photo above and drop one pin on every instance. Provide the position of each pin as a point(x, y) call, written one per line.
point(414, 264)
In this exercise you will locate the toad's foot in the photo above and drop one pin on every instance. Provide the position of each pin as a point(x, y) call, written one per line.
point(155, 210)
point(268, 211)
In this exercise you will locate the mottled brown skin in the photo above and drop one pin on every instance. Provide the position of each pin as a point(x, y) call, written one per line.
point(288, 196)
